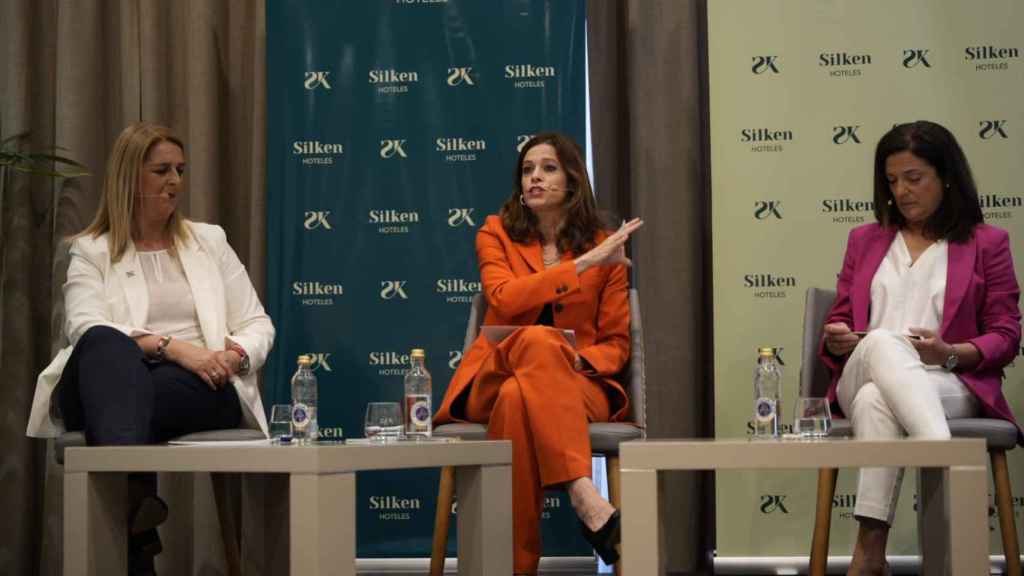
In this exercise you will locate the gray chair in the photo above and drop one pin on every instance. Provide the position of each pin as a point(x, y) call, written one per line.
point(228, 526)
point(604, 436)
point(999, 436)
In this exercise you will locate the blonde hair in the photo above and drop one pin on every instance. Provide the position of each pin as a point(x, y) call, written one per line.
point(121, 185)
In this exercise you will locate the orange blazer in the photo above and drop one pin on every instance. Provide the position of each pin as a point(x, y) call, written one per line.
point(517, 286)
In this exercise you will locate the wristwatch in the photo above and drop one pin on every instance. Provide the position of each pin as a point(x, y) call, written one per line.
point(952, 360)
point(161, 348)
point(243, 367)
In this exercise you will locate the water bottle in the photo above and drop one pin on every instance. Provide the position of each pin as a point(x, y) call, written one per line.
point(767, 393)
point(304, 395)
point(418, 413)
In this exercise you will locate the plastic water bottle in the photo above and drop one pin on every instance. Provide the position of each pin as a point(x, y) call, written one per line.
point(418, 413)
point(767, 393)
point(304, 396)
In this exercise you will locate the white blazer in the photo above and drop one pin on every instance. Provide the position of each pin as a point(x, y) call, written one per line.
point(100, 292)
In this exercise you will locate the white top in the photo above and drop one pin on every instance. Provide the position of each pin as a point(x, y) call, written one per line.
point(908, 295)
point(172, 310)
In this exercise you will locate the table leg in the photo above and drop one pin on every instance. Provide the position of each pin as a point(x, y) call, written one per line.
point(95, 524)
point(967, 488)
point(484, 519)
point(322, 521)
point(641, 552)
point(951, 520)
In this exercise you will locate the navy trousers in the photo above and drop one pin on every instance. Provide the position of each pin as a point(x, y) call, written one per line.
point(109, 390)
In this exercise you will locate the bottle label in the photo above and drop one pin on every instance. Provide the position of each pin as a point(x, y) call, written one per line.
point(764, 409)
point(419, 413)
point(300, 416)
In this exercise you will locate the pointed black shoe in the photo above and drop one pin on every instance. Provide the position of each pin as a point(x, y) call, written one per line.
point(605, 539)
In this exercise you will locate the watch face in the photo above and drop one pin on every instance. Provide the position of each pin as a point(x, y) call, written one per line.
point(951, 362)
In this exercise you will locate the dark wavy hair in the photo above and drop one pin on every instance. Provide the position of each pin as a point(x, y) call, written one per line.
point(582, 220)
point(959, 211)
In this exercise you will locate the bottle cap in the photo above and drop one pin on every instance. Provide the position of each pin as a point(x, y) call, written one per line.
point(304, 360)
point(766, 351)
point(418, 353)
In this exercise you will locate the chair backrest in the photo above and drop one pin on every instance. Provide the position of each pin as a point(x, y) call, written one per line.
point(814, 375)
point(633, 375)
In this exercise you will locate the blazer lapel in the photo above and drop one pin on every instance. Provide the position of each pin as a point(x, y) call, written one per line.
point(860, 292)
point(129, 272)
point(193, 263)
point(958, 275)
point(532, 254)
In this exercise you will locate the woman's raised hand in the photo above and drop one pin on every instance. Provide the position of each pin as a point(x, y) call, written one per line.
point(612, 250)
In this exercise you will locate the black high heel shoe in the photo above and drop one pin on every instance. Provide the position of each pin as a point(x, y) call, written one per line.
point(143, 539)
point(605, 539)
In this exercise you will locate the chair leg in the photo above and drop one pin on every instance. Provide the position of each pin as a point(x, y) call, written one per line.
point(226, 517)
point(614, 494)
point(444, 510)
point(1004, 503)
point(822, 521)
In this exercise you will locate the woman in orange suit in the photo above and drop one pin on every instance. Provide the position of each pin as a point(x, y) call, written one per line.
point(547, 264)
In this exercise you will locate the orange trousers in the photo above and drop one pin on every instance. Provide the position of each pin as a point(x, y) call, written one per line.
point(529, 392)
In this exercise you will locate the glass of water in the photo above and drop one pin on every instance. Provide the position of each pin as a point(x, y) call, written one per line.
point(383, 421)
point(812, 417)
point(280, 422)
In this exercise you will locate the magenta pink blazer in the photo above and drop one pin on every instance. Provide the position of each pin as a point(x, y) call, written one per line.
point(980, 305)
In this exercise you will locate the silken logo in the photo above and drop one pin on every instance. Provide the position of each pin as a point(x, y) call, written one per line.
point(529, 75)
point(766, 139)
point(392, 148)
point(314, 293)
point(391, 289)
point(391, 221)
point(771, 503)
point(454, 358)
point(459, 149)
point(846, 211)
point(845, 134)
point(393, 507)
point(763, 64)
point(313, 219)
point(997, 207)
point(521, 141)
point(769, 286)
point(764, 209)
point(457, 290)
point(461, 75)
point(987, 58)
point(460, 217)
point(389, 363)
point(843, 64)
point(391, 81)
point(317, 79)
point(991, 129)
point(321, 361)
point(315, 152)
point(914, 57)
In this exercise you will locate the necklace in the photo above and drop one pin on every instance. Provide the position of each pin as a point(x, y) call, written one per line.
point(550, 260)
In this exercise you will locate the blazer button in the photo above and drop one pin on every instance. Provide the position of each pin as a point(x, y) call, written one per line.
point(564, 288)
point(558, 307)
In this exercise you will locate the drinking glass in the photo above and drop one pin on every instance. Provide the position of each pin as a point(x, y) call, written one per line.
point(280, 421)
point(383, 421)
point(812, 417)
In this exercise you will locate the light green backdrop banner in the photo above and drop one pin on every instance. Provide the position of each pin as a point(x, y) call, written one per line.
point(801, 91)
point(393, 130)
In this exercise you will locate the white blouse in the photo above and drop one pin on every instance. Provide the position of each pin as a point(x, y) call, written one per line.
point(172, 310)
point(907, 294)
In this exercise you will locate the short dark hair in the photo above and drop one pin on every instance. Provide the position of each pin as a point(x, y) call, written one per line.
point(582, 220)
point(959, 211)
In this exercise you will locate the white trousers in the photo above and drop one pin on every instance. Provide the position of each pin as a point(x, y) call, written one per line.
point(887, 392)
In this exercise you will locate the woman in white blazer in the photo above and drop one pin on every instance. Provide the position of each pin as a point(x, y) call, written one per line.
point(166, 329)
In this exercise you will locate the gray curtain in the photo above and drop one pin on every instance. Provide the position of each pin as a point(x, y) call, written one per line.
point(649, 118)
point(74, 73)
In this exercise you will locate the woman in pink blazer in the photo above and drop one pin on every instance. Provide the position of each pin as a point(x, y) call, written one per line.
point(925, 316)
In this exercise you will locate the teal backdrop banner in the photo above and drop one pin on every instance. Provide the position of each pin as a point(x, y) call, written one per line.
point(393, 130)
